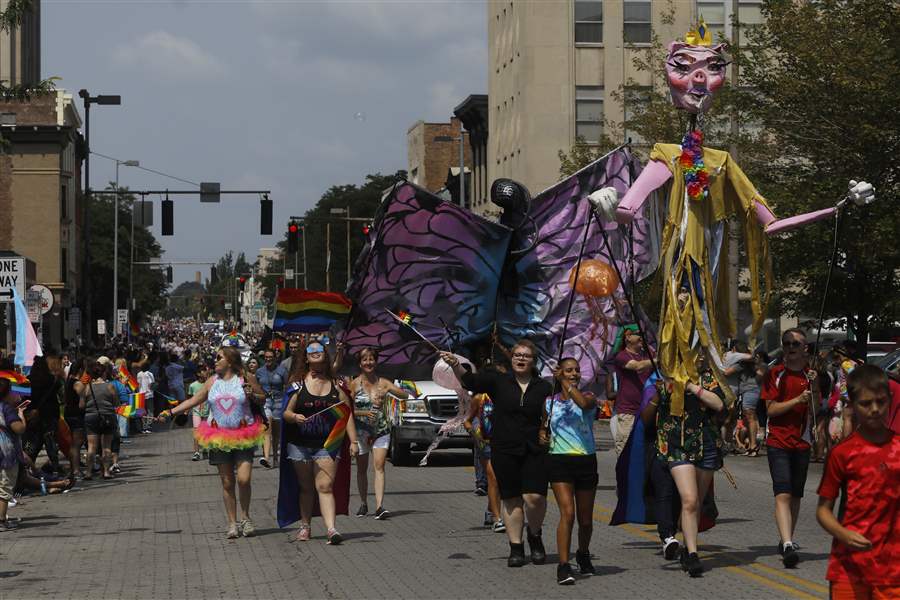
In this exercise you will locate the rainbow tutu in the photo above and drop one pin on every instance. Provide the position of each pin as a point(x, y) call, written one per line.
point(219, 438)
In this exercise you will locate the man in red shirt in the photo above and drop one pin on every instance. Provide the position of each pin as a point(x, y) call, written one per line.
point(863, 562)
point(788, 395)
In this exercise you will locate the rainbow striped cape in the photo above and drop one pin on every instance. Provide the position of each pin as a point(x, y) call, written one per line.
point(305, 311)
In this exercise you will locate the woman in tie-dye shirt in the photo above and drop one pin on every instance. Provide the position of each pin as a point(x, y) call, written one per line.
point(570, 416)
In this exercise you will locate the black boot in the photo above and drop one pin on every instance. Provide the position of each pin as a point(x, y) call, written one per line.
point(536, 545)
point(585, 567)
point(516, 555)
point(690, 563)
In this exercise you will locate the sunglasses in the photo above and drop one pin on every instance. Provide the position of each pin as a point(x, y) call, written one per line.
point(315, 349)
point(522, 356)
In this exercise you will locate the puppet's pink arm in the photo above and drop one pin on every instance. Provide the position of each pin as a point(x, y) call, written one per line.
point(773, 227)
point(654, 175)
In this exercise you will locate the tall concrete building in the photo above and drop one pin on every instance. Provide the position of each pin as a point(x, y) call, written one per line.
point(20, 49)
point(553, 66)
point(40, 178)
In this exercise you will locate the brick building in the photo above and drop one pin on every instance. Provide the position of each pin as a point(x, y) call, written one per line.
point(433, 157)
point(40, 178)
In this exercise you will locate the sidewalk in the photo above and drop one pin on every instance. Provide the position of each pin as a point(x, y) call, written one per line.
point(157, 531)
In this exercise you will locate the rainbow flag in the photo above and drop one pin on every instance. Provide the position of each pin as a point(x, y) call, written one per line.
point(393, 411)
point(20, 383)
point(277, 344)
point(405, 317)
point(136, 407)
point(305, 311)
point(134, 329)
point(127, 378)
point(333, 442)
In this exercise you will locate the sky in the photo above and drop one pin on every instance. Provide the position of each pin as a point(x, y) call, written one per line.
point(289, 96)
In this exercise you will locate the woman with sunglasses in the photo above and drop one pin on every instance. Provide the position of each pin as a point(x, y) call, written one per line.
point(307, 425)
point(516, 454)
point(369, 392)
point(231, 433)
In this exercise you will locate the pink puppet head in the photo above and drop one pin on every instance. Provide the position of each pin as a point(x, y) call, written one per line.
point(695, 73)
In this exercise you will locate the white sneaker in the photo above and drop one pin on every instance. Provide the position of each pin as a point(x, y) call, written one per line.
point(670, 548)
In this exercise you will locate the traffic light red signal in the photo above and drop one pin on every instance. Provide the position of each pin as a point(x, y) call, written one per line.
point(295, 230)
point(366, 229)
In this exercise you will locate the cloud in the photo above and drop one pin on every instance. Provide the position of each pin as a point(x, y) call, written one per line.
point(167, 56)
point(443, 97)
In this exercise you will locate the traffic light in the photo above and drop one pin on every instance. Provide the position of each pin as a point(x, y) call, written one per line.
point(294, 233)
point(242, 281)
point(213, 275)
point(265, 215)
point(168, 217)
point(366, 229)
point(169, 273)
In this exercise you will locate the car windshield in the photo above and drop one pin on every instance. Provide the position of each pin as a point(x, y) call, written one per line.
point(887, 360)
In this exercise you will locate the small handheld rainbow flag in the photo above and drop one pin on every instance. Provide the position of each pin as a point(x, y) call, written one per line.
point(405, 317)
point(139, 401)
point(333, 442)
point(20, 383)
point(127, 378)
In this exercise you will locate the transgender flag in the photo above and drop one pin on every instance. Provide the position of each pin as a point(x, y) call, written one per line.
point(27, 345)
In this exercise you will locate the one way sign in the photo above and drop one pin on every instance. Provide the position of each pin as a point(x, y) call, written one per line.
point(12, 277)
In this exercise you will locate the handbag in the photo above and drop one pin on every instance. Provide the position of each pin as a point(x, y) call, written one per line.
point(104, 422)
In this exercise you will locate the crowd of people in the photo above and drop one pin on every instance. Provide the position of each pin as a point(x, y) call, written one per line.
point(531, 434)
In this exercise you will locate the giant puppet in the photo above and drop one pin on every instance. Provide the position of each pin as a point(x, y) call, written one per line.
point(708, 189)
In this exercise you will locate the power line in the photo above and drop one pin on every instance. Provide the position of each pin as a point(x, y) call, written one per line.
point(155, 172)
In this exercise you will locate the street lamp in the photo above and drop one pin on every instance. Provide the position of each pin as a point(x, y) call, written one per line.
point(127, 163)
point(103, 100)
point(462, 161)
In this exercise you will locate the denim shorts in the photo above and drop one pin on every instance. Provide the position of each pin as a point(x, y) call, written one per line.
point(231, 457)
point(711, 461)
point(788, 469)
point(304, 454)
point(273, 409)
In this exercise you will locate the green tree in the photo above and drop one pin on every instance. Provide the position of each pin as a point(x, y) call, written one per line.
point(187, 300)
point(149, 284)
point(826, 96)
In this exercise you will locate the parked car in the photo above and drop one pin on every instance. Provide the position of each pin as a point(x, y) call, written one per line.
point(890, 361)
point(421, 417)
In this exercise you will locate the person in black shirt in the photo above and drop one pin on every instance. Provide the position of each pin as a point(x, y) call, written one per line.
point(517, 457)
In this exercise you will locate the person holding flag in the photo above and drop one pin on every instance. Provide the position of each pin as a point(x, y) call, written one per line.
point(316, 421)
point(231, 432)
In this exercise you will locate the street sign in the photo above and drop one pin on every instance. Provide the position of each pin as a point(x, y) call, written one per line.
point(209, 191)
point(228, 306)
point(46, 297)
point(33, 305)
point(101, 326)
point(288, 273)
point(12, 277)
point(121, 320)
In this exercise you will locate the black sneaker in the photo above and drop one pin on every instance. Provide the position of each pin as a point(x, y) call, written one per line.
point(564, 574)
point(585, 567)
point(671, 546)
point(480, 491)
point(690, 563)
point(516, 556)
point(381, 513)
point(789, 556)
point(363, 510)
point(536, 545)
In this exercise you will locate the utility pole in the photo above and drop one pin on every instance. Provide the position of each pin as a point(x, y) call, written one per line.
point(328, 256)
point(734, 263)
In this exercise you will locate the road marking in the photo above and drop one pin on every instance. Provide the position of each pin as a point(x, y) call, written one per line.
point(773, 584)
point(817, 587)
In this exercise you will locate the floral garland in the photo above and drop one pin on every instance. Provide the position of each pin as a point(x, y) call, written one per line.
point(696, 177)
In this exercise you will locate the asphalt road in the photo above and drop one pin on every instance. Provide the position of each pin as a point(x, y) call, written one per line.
point(157, 531)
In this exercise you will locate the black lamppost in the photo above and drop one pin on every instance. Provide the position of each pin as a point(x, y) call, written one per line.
point(86, 322)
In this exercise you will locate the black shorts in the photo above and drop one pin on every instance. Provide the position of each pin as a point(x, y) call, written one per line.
point(94, 427)
point(75, 422)
point(519, 474)
point(580, 471)
point(231, 457)
point(788, 470)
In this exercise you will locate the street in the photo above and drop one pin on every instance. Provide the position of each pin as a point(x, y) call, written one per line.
point(157, 531)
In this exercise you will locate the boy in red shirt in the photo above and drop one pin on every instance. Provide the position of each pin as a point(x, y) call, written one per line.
point(863, 563)
point(788, 392)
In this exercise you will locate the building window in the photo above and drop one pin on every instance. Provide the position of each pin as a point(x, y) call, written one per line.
point(713, 14)
point(589, 112)
point(749, 16)
point(64, 203)
point(64, 265)
point(636, 98)
point(588, 21)
point(637, 22)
